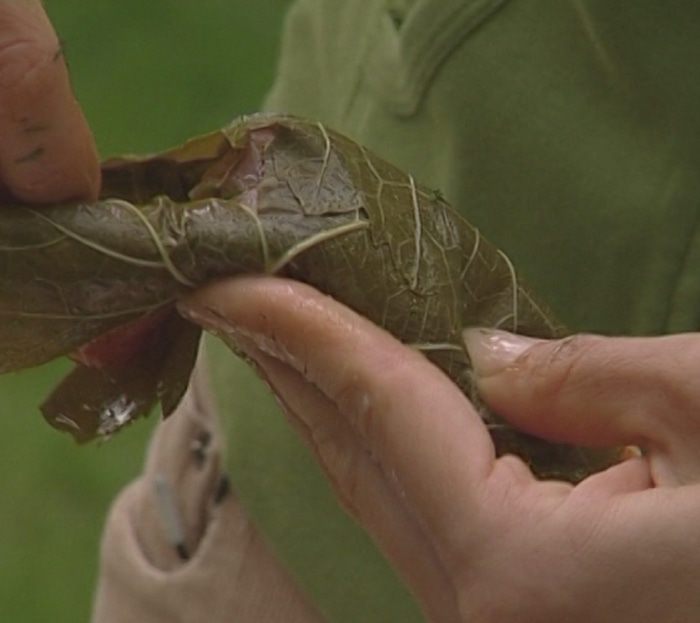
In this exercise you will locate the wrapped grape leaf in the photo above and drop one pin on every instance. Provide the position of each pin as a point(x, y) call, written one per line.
point(268, 194)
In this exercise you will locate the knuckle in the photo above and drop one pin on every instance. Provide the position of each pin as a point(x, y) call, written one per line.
point(555, 367)
point(669, 386)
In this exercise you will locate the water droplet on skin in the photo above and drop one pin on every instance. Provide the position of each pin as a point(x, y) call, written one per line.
point(357, 404)
point(393, 478)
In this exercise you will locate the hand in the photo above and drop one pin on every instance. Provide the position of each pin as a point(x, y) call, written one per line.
point(478, 538)
point(47, 152)
point(596, 391)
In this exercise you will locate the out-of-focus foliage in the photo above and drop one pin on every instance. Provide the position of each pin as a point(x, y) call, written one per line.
point(149, 74)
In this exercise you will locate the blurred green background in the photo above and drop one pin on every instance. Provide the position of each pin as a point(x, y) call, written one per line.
point(149, 74)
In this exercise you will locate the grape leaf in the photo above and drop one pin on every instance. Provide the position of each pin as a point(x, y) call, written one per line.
point(268, 194)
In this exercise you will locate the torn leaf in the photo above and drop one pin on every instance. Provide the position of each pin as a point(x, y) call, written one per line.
point(268, 194)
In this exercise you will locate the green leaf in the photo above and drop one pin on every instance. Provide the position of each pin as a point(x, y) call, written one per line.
point(268, 194)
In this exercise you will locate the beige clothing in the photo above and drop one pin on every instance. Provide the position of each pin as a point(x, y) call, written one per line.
point(205, 563)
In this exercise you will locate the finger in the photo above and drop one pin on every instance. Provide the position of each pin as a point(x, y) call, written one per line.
point(591, 390)
point(410, 417)
point(630, 476)
point(47, 152)
point(360, 484)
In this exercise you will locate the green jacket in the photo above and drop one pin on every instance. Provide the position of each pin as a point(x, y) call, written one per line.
point(567, 130)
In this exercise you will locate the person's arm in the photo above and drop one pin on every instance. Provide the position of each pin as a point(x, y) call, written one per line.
point(477, 538)
point(47, 152)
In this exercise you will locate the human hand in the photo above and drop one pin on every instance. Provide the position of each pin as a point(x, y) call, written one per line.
point(591, 390)
point(478, 538)
point(47, 152)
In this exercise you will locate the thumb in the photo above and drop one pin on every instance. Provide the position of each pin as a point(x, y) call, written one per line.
point(47, 152)
point(591, 390)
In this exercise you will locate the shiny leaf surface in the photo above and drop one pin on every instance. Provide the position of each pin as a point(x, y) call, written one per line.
point(268, 194)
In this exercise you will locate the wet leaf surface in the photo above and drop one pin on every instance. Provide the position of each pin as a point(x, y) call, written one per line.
point(268, 194)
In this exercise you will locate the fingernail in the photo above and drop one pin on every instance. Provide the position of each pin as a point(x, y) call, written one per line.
point(630, 452)
point(217, 325)
point(491, 351)
point(236, 337)
point(207, 318)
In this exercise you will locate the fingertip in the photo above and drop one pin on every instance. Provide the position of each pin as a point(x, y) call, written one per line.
point(47, 153)
point(629, 476)
point(228, 294)
point(256, 302)
point(554, 389)
point(492, 351)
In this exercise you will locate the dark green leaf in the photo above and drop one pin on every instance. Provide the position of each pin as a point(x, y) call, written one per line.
point(269, 194)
